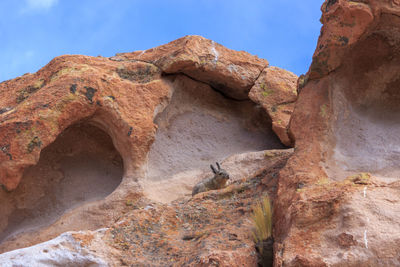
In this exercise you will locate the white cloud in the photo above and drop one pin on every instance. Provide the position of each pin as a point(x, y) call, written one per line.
point(40, 4)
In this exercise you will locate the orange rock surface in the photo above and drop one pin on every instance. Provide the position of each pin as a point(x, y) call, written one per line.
point(337, 194)
point(274, 90)
point(60, 118)
point(119, 94)
point(118, 97)
point(335, 197)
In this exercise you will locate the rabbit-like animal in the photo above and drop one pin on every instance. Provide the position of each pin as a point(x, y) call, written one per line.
point(218, 181)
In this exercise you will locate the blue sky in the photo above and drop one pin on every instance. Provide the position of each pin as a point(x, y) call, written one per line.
point(32, 32)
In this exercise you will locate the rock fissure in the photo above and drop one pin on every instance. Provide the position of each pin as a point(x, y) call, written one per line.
point(211, 86)
point(119, 59)
point(258, 76)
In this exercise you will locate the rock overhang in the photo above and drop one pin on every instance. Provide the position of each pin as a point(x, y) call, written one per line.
point(117, 93)
point(122, 96)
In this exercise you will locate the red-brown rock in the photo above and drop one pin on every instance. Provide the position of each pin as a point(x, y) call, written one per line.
point(335, 203)
point(232, 72)
point(96, 119)
point(275, 90)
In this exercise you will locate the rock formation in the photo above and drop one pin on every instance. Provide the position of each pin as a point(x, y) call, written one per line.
point(117, 144)
point(338, 195)
point(99, 155)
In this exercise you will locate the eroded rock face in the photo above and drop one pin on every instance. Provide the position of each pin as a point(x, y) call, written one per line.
point(74, 88)
point(204, 127)
point(81, 166)
point(232, 72)
point(212, 228)
point(209, 100)
point(337, 194)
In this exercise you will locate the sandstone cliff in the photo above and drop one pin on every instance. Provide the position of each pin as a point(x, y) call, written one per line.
point(338, 195)
point(99, 155)
point(118, 143)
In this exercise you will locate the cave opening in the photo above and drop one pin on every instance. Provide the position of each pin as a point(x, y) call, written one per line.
point(80, 166)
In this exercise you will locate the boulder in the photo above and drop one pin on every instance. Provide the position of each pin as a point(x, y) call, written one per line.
point(231, 72)
point(275, 91)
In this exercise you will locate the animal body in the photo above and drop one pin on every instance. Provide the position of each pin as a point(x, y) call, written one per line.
point(218, 181)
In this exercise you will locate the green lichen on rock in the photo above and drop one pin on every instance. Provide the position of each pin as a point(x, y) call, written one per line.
point(6, 150)
point(78, 69)
point(265, 91)
point(343, 40)
point(72, 88)
point(27, 91)
point(232, 191)
point(89, 93)
point(319, 65)
point(35, 142)
point(143, 74)
point(302, 82)
point(196, 235)
point(272, 153)
point(323, 181)
point(52, 114)
point(323, 111)
point(130, 202)
point(328, 4)
point(39, 83)
point(362, 178)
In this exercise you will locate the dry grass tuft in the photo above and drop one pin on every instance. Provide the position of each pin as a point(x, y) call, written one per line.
point(262, 219)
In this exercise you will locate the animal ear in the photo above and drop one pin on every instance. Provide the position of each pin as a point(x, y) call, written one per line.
point(213, 169)
point(219, 167)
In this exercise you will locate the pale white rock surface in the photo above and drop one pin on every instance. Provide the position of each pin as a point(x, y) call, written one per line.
point(63, 250)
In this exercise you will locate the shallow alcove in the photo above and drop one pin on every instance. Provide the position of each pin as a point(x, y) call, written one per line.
point(80, 166)
point(366, 102)
point(198, 127)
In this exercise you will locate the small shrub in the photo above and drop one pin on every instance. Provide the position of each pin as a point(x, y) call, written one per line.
point(262, 218)
point(262, 233)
